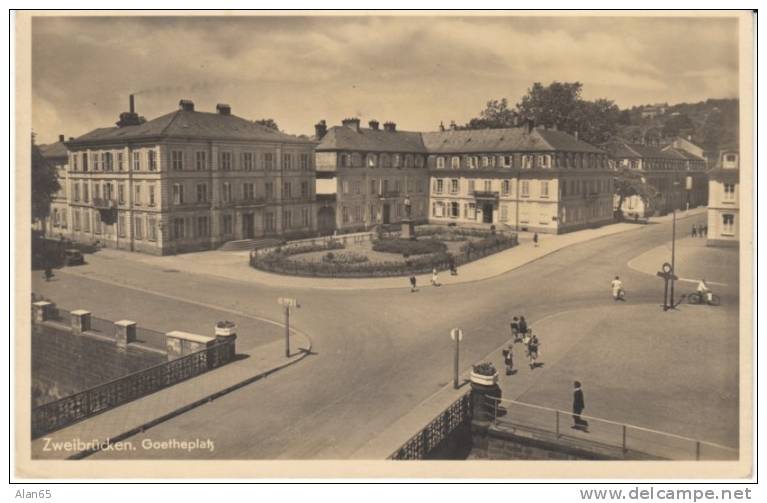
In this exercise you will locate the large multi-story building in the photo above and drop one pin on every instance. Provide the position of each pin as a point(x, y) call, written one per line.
point(527, 178)
point(188, 180)
point(676, 175)
point(57, 223)
point(724, 200)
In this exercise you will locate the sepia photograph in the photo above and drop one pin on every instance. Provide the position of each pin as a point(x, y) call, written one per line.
point(384, 244)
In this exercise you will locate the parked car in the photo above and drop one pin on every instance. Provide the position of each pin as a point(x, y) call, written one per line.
point(73, 256)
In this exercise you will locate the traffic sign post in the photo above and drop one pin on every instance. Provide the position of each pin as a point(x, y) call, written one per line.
point(457, 335)
point(667, 273)
point(287, 303)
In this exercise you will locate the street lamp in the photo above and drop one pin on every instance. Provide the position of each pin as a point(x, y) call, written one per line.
point(673, 242)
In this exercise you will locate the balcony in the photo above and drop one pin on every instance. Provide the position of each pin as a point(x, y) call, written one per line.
point(104, 203)
point(484, 195)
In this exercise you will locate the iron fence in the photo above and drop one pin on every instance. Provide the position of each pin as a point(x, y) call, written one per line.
point(426, 440)
point(70, 409)
point(626, 439)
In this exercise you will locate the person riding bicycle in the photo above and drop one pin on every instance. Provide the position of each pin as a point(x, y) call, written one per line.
point(704, 291)
point(617, 287)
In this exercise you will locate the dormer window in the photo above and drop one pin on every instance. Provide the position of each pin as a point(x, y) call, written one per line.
point(440, 162)
point(455, 162)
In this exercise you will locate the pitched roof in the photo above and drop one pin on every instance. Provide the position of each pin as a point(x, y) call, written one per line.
point(346, 138)
point(626, 149)
point(54, 150)
point(189, 124)
point(453, 141)
point(683, 153)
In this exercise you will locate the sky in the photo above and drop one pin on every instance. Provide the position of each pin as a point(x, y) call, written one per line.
point(415, 71)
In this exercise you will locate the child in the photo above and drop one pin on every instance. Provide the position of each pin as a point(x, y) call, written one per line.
point(434, 278)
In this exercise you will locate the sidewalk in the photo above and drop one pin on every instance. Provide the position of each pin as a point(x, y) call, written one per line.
point(120, 423)
point(234, 265)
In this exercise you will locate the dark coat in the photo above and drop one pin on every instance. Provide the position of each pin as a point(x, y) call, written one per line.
point(523, 326)
point(578, 403)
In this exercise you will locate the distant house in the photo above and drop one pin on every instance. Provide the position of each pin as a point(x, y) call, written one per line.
point(652, 111)
point(58, 221)
point(724, 200)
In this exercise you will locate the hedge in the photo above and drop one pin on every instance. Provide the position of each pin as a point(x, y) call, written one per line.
point(409, 246)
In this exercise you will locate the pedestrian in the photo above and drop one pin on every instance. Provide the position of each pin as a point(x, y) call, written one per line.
point(48, 274)
point(515, 329)
point(705, 231)
point(451, 266)
point(434, 278)
point(412, 284)
point(694, 231)
point(532, 351)
point(700, 230)
point(523, 326)
point(535, 239)
point(508, 359)
point(578, 405)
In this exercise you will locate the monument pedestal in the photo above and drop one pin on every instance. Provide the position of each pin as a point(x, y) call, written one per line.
point(408, 229)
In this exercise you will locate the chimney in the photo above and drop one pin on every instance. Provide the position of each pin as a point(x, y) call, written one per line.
point(352, 124)
point(320, 129)
point(186, 105)
point(453, 127)
point(224, 109)
point(129, 118)
point(530, 125)
point(61, 138)
point(131, 104)
point(390, 126)
point(373, 124)
point(441, 126)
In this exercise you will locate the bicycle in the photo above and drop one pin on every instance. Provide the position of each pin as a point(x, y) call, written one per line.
point(698, 298)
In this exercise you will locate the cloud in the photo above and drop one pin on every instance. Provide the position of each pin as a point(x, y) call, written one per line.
point(416, 70)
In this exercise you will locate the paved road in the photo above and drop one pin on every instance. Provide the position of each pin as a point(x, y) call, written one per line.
point(379, 353)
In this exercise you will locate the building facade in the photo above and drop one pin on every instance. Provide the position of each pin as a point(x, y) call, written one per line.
point(58, 222)
point(188, 181)
point(724, 200)
point(526, 178)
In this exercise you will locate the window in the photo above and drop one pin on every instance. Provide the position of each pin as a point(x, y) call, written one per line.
point(136, 161)
point(178, 228)
point(226, 161)
point(226, 223)
point(472, 187)
point(201, 160)
point(729, 192)
point(85, 161)
point(226, 192)
point(730, 157)
point(419, 162)
point(472, 162)
point(77, 192)
point(121, 193)
point(202, 227)
point(544, 188)
point(305, 166)
point(485, 161)
point(96, 190)
point(287, 161)
point(268, 160)
point(305, 217)
point(527, 161)
point(152, 159)
point(507, 161)
point(269, 190)
point(385, 161)
point(419, 186)
point(357, 187)
point(287, 191)
point(438, 209)
point(396, 159)
point(454, 186)
point(345, 186)
point(120, 161)
point(85, 192)
point(564, 188)
point(374, 186)
point(438, 185)
point(248, 191)
point(151, 195)
point(287, 219)
point(506, 187)
point(455, 210)
point(76, 223)
point(270, 222)
point(543, 161)
point(455, 162)
point(74, 162)
point(178, 193)
point(304, 190)
point(525, 188)
point(177, 160)
point(138, 231)
point(151, 228)
point(202, 192)
point(137, 195)
point(728, 224)
point(108, 190)
point(121, 226)
point(471, 212)
point(371, 160)
point(488, 185)
point(95, 159)
point(86, 221)
point(504, 213)
point(106, 161)
point(408, 161)
point(97, 225)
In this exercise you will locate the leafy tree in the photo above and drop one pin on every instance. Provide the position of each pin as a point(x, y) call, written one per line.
point(597, 121)
point(553, 105)
point(496, 115)
point(630, 183)
point(270, 123)
point(45, 184)
point(677, 124)
point(713, 130)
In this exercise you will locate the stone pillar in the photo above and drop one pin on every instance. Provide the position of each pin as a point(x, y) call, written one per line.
point(225, 335)
point(408, 229)
point(41, 311)
point(125, 332)
point(179, 344)
point(81, 321)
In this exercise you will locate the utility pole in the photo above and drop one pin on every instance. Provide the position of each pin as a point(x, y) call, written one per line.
point(457, 335)
point(287, 303)
point(673, 244)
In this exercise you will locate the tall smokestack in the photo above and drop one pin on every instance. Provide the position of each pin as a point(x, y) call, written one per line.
point(132, 106)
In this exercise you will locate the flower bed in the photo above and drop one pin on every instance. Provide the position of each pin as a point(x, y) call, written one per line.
point(409, 246)
point(344, 258)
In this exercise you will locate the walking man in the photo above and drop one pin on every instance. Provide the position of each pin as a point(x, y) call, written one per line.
point(578, 405)
point(694, 231)
point(508, 359)
point(522, 326)
point(412, 284)
point(700, 230)
point(532, 351)
point(515, 329)
point(535, 239)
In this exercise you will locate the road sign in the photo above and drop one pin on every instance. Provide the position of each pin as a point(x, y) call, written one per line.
point(456, 332)
point(287, 302)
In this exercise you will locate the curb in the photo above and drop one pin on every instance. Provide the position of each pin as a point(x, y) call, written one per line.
point(202, 401)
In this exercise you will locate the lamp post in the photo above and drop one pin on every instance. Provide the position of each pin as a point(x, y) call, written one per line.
point(673, 245)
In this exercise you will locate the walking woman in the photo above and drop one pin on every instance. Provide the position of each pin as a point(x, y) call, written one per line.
point(508, 359)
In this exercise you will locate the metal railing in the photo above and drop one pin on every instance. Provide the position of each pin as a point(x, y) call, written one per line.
point(70, 409)
point(426, 440)
point(629, 440)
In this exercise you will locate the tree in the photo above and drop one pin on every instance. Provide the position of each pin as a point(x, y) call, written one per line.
point(713, 130)
point(596, 121)
point(677, 125)
point(555, 105)
point(496, 115)
point(45, 184)
point(270, 123)
point(630, 183)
